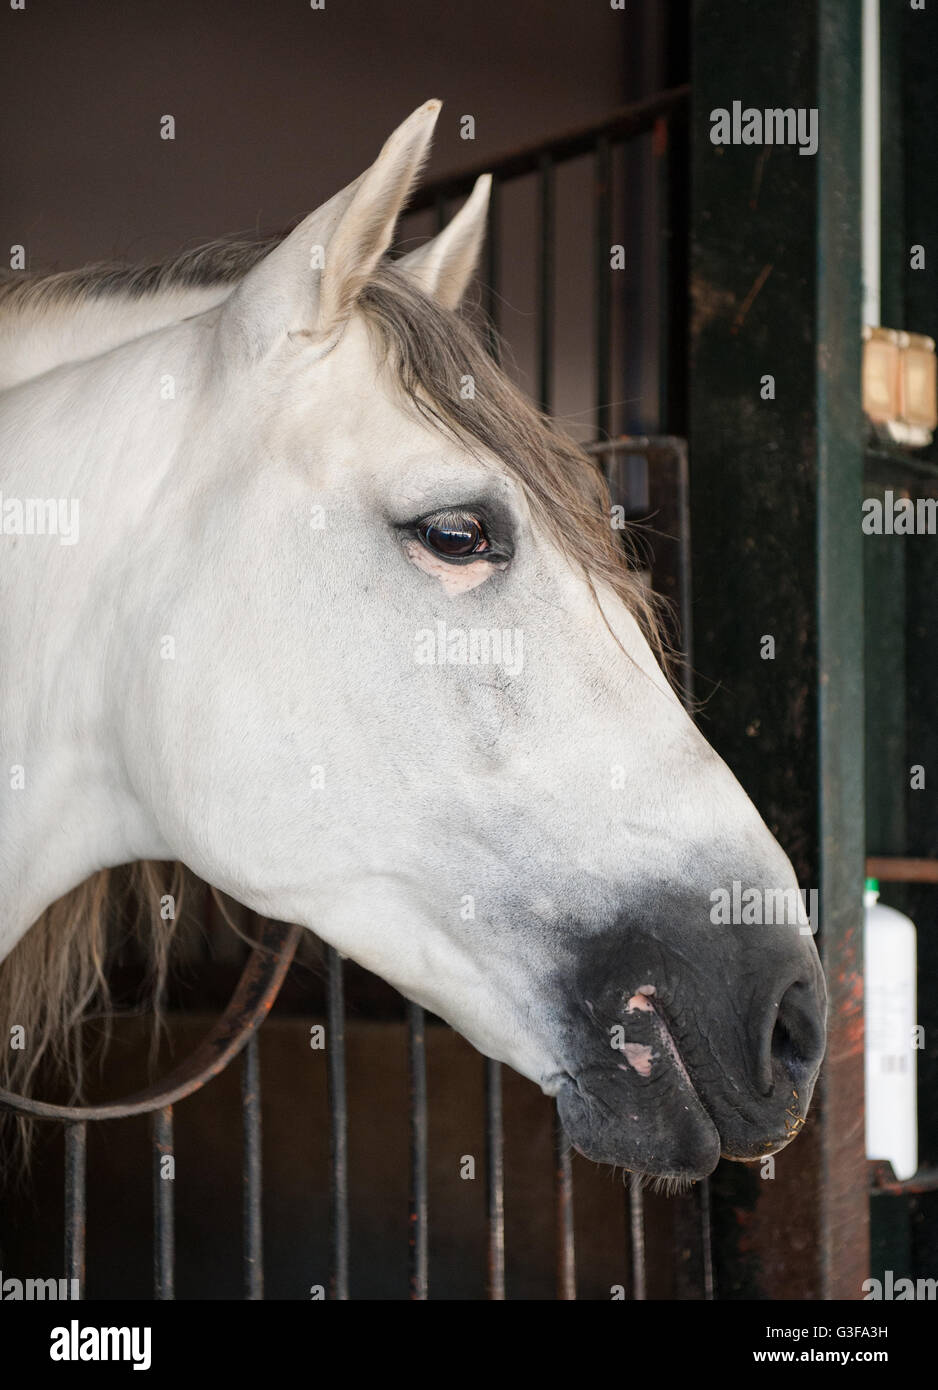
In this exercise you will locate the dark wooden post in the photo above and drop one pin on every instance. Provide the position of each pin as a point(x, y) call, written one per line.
point(776, 486)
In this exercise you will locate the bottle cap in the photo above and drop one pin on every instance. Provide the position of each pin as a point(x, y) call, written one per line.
point(871, 885)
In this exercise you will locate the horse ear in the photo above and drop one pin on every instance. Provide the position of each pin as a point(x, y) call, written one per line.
point(444, 266)
point(308, 284)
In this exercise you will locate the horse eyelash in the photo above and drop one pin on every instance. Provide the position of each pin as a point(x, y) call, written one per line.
point(499, 550)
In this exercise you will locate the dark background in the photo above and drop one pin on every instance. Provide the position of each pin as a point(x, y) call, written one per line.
point(277, 106)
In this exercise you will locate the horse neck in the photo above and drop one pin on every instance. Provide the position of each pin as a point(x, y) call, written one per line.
point(103, 434)
point(36, 337)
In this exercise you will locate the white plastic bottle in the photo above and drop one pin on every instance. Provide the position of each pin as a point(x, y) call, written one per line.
point(889, 974)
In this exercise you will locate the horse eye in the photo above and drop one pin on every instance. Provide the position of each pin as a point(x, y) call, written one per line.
point(454, 535)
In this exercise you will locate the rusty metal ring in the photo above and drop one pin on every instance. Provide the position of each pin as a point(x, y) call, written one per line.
point(250, 1004)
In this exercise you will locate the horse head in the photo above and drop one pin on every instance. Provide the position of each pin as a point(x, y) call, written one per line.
point(375, 663)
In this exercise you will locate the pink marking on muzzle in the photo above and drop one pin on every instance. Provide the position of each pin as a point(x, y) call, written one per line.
point(638, 1056)
point(641, 1001)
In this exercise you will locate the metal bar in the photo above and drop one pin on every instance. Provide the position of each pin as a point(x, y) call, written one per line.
point(338, 1127)
point(890, 468)
point(252, 1184)
point(417, 1069)
point(545, 282)
point(661, 155)
point(871, 186)
point(706, 1243)
point(691, 1244)
point(622, 124)
point(891, 150)
point(76, 1149)
point(684, 582)
point(563, 1212)
point(891, 870)
point(164, 1233)
point(669, 501)
point(675, 269)
point(495, 1179)
point(925, 1180)
point(637, 1239)
point(603, 223)
point(634, 444)
point(839, 469)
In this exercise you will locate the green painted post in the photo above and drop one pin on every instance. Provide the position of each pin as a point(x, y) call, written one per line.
point(776, 484)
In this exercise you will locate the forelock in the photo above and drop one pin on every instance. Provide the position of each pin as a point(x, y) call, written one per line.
point(448, 374)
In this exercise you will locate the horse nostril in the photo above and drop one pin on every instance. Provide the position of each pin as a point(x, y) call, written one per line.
point(783, 1047)
point(797, 1040)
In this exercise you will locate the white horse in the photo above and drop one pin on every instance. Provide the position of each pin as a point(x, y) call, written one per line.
point(299, 590)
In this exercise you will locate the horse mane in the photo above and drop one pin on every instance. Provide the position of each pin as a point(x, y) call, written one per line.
point(67, 950)
point(224, 261)
point(430, 351)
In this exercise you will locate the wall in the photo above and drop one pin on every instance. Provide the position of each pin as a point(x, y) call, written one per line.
point(277, 106)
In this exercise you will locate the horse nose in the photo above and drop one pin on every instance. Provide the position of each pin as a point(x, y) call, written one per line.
point(794, 1037)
